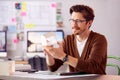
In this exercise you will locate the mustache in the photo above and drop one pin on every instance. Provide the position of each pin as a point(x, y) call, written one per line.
point(75, 28)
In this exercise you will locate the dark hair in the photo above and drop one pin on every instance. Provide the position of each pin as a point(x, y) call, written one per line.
point(87, 12)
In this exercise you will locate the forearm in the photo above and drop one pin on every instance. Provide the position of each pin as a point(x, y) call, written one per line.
point(50, 60)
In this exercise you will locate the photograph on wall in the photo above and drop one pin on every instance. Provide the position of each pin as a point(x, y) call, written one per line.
point(59, 15)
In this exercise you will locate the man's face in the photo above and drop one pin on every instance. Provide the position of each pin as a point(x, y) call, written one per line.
point(78, 23)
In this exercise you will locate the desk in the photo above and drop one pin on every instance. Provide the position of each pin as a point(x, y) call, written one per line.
point(33, 76)
point(21, 62)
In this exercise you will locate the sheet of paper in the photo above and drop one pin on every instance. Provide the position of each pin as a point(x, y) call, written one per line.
point(12, 29)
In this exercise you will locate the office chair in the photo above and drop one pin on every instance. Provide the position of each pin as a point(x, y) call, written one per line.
point(112, 64)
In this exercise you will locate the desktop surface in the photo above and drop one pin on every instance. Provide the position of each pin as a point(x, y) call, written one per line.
point(45, 76)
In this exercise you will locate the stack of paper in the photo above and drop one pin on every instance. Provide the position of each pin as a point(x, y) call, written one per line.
point(7, 67)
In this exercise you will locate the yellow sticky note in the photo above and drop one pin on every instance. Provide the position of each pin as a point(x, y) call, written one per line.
point(24, 5)
point(29, 25)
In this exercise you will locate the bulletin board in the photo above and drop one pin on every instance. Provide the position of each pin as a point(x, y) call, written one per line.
point(31, 14)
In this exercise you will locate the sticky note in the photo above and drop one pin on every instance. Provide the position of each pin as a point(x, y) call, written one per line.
point(24, 6)
point(15, 40)
point(12, 29)
point(23, 14)
point(53, 5)
point(31, 25)
point(13, 20)
point(23, 3)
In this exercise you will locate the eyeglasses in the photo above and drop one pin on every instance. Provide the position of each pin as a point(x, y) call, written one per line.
point(78, 21)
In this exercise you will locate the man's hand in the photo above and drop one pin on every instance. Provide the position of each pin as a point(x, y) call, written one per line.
point(49, 59)
point(57, 53)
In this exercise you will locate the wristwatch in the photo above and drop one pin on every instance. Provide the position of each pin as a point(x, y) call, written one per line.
point(65, 58)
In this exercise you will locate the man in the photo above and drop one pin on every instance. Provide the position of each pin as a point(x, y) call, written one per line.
point(84, 50)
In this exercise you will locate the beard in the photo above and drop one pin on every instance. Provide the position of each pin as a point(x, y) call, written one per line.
point(76, 31)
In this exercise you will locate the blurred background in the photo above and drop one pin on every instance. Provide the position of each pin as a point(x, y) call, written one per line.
point(106, 22)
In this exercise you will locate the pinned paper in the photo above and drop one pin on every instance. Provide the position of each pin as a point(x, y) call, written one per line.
point(29, 25)
point(23, 14)
point(15, 41)
point(24, 6)
point(13, 20)
point(18, 6)
point(53, 5)
point(12, 29)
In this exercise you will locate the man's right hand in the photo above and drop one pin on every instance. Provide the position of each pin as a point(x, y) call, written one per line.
point(49, 59)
